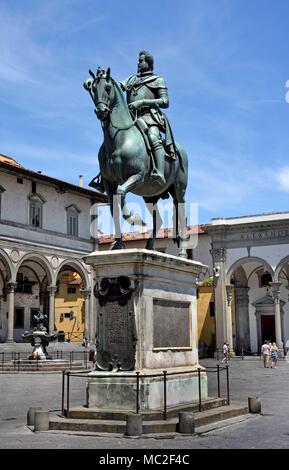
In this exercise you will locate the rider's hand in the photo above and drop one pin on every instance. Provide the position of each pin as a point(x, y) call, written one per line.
point(135, 105)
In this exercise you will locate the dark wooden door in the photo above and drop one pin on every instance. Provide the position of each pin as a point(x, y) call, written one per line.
point(268, 328)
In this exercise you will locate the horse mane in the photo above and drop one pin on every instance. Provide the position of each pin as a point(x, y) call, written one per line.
point(121, 104)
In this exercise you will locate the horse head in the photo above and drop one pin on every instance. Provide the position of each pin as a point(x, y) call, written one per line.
point(101, 89)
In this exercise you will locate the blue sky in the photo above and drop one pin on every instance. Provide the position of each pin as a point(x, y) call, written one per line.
point(226, 64)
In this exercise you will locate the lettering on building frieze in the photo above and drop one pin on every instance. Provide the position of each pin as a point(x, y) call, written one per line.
point(265, 235)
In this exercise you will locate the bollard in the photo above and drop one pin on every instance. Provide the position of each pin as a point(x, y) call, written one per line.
point(186, 423)
point(31, 413)
point(134, 425)
point(254, 404)
point(41, 421)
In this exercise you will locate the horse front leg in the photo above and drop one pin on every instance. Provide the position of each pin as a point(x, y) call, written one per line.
point(131, 183)
point(115, 213)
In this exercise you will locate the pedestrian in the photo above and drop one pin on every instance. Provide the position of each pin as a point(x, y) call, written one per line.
point(85, 342)
point(265, 351)
point(274, 355)
point(225, 353)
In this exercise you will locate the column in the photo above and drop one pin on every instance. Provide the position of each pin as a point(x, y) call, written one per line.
point(228, 323)
point(219, 263)
point(52, 290)
point(11, 287)
point(276, 295)
point(242, 319)
point(86, 294)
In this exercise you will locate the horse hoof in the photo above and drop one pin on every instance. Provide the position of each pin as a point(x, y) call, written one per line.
point(117, 245)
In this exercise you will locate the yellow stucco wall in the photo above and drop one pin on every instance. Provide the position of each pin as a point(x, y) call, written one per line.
point(65, 303)
point(206, 323)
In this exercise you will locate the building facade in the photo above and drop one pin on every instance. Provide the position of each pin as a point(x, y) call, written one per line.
point(45, 232)
point(251, 279)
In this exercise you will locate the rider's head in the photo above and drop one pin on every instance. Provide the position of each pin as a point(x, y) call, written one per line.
point(145, 62)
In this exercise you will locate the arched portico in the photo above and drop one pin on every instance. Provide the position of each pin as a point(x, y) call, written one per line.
point(73, 291)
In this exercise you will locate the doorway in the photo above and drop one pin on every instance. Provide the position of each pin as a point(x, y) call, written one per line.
point(268, 328)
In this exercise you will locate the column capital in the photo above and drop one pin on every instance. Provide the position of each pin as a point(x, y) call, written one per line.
point(86, 293)
point(219, 255)
point(275, 286)
point(11, 287)
point(52, 290)
point(229, 291)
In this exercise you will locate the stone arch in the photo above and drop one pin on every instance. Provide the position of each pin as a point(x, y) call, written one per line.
point(40, 259)
point(8, 265)
point(279, 268)
point(249, 259)
point(78, 266)
point(240, 277)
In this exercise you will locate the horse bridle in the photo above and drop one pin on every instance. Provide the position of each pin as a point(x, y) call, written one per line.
point(107, 108)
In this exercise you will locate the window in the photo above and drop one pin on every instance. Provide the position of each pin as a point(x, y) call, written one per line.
point(33, 190)
point(71, 290)
point(265, 279)
point(2, 190)
point(19, 318)
point(212, 309)
point(73, 225)
point(33, 311)
point(36, 209)
point(72, 220)
point(20, 180)
point(35, 215)
point(23, 284)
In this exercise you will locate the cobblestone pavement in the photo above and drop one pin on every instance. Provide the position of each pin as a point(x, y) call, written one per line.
point(247, 378)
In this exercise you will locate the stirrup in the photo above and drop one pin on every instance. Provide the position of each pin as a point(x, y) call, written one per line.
point(157, 177)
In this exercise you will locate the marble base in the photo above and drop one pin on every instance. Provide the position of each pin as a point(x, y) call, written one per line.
point(155, 331)
point(118, 391)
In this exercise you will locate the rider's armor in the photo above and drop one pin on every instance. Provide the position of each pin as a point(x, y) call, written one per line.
point(152, 91)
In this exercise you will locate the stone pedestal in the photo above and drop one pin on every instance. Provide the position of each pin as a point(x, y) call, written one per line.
point(146, 323)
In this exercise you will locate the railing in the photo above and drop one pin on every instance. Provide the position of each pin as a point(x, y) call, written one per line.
point(66, 375)
point(18, 361)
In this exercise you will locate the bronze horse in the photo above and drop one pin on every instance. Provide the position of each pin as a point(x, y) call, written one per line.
point(125, 164)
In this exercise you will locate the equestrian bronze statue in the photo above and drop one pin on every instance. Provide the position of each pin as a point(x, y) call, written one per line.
point(138, 153)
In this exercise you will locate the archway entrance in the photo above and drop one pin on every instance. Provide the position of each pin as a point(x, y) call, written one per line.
point(69, 304)
point(268, 328)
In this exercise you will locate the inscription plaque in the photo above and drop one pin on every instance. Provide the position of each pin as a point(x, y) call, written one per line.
point(116, 336)
point(171, 324)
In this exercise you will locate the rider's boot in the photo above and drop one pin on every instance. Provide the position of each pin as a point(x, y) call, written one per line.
point(159, 157)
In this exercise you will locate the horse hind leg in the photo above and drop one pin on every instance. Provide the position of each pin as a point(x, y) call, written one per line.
point(180, 225)
point(157, 223)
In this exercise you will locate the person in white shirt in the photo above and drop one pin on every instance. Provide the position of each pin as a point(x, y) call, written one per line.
point(225, 353)
point(265, 351)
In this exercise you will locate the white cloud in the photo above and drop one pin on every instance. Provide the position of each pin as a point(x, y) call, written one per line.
point(283, 178)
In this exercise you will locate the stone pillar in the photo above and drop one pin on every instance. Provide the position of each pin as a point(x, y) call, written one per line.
point(11, 287)
point(223, 329)
point(276, 295)
point(229, 328)
point(86, 294)
point(92, 308)
point(242, 319)
point(52, 290)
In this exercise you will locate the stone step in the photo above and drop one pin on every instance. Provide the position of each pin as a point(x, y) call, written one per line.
point(149, 427)
point(82, 412)
point(24, 366)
